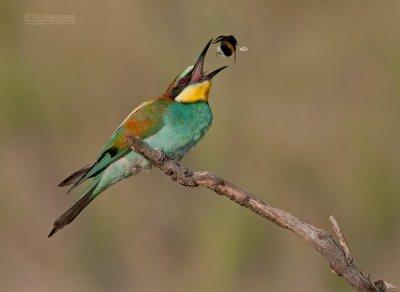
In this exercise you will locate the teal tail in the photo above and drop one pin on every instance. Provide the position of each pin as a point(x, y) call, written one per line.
point(75, 209)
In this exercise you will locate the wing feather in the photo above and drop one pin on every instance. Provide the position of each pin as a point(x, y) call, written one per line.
point(144, 121)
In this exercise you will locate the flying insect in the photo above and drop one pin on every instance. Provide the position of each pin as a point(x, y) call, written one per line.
point(228, 46)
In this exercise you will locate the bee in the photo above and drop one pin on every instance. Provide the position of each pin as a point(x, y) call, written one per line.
point(228, 45)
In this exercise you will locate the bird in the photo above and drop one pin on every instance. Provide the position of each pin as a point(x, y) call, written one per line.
point(173, 123)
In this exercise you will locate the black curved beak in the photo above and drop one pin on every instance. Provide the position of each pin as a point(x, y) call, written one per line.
point(197, 73)
point(210, 75)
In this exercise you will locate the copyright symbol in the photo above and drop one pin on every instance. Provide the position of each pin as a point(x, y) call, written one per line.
point(28, 16)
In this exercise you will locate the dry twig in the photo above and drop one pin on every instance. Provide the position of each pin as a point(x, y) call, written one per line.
point(337, 254)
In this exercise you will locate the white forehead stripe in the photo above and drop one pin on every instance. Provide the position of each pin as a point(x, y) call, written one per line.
point(186, 71)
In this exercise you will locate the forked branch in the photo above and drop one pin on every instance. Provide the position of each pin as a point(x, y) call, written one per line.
point(334, 250)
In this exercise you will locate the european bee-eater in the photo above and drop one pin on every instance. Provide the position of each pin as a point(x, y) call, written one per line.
point(173, 123)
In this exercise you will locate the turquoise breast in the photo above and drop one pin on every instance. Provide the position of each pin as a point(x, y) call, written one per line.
point(184, 125)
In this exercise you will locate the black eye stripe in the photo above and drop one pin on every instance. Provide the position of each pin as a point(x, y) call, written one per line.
point(178, 89)
point(181, 84)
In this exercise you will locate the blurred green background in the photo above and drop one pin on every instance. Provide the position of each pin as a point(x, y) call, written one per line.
point(308, 119)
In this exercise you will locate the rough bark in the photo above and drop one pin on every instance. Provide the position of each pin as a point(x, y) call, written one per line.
point(334, 250)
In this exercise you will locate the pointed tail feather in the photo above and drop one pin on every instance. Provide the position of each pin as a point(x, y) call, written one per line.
point(74, 210)
point(76, 176)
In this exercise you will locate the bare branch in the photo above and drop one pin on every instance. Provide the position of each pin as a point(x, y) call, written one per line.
point(337, 253)
point(342, 240)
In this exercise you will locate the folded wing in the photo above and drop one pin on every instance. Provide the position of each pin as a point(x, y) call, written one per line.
point(144, 121)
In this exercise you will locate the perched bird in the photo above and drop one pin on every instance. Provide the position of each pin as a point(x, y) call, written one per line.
point(173, 123)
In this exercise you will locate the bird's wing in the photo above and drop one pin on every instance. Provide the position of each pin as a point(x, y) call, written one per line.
point(144, 121)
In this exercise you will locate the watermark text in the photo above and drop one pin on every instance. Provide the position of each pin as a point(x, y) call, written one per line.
point(34, 18)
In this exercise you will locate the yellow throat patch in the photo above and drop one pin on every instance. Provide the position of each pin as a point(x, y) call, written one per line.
point(194, 93)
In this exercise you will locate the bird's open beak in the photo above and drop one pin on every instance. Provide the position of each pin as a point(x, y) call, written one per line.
point(210, 75)
point(197, 73)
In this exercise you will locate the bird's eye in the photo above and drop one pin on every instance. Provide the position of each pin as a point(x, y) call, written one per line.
point(183, 81)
